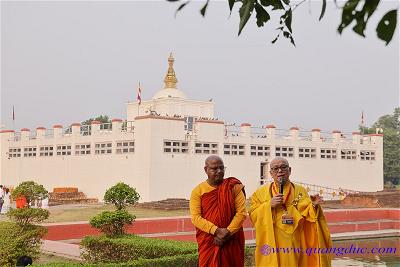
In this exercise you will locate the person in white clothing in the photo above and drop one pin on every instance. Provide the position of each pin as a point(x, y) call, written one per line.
point(7, 201)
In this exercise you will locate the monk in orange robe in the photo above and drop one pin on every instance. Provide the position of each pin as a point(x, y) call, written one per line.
point(217, 206)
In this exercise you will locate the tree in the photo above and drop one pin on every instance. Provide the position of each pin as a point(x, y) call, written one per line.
point(31, 191)
point(358, 11)
point(390, 126)
point(101, 118)
point(121, 195)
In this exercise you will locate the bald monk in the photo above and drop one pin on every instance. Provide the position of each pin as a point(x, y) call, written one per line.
point(217, 207)
point(288, 220)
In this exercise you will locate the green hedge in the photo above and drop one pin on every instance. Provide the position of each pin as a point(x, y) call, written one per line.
point(16, 241)
point(129, 248)
point(188, 260)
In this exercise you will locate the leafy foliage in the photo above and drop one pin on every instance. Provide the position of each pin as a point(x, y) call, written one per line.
point(112, 223)
point(390, 125)
point(30, 190)
point(121, 195)
point(16, 242)
point(26, 216)
point(130, 247)
point(187, 260)
point(351, 11)
point(101, 118)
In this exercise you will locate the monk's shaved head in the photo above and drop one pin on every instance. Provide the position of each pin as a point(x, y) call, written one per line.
point(212, 158)
point(279, 159)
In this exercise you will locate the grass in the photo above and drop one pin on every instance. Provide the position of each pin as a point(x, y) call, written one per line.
point(75, 213)
point(50, 258)
point(79, 213)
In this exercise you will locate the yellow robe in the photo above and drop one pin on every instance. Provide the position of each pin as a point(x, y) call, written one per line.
point(308, 234)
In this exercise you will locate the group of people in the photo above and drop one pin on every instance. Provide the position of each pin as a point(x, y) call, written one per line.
point(5, 199)
point(287, 221)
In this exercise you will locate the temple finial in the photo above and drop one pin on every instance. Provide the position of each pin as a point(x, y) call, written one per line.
point(170, 79)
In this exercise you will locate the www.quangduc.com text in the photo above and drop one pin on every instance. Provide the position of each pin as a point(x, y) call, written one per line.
point(337, 251)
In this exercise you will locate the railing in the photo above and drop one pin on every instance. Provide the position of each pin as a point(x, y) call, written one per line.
point(328, 193)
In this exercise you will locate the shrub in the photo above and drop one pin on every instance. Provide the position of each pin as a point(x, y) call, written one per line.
point(30, 190)
point(16, 242)
point(112, 223)
point(121, 195)
point(187, 260)
point(130, 247)
point(27, 216)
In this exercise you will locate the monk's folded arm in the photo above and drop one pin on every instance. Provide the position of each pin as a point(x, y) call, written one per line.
point(197, 220)
point(240, 215)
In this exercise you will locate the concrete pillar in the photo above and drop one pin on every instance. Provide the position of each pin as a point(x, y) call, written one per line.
point(270, 130)
point(336, 134)
point(25, 133)
point(294, 133)
point(40, 132)
point(356, 137)
point(316, 135)
point(95, 127)
point(116, 125)
point(58, 131)
point(76, 129)
point(245, 129)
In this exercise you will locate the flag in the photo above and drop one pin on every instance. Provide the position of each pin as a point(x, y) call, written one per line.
point(139, 95)
point(362, 118)
point(13, 114)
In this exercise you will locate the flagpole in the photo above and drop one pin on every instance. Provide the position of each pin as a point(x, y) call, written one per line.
point(13, 118)
point(139, 99)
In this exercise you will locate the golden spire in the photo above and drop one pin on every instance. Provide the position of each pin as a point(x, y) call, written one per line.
point(170, 79)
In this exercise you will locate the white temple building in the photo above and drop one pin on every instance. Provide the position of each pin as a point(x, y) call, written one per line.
point(161, 146)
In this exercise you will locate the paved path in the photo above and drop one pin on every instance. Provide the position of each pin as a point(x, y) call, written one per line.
point(61, 249)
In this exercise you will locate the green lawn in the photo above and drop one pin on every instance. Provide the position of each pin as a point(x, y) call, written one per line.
point(73, 214)
point(50, 258)
point(76, 213)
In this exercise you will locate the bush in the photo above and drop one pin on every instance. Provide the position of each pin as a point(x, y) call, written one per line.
point(30, 190)
point(111, 223)
point(130, 247)
point(121, 195)
point(187, 260)
point(16, 242)
point(27, 216)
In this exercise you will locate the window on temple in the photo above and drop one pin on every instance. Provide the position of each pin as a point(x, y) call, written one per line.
point(260, 150)
point(367, 155)
point(307, 153)
point(349, 154)
point(284, 151)
point(328, 153)
point(83, 149)
point(205, 148)
point(14, 152)
point(176, 146)
point(103, 148)
point(30, 151)
point(46, 151)
point(63, 150)
point(124, 147)
point(234, 149)
point(189, 123)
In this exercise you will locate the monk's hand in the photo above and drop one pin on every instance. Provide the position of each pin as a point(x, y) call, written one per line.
point(218, 242)
point(316, 200)
point(277, 201)
point(222, 234)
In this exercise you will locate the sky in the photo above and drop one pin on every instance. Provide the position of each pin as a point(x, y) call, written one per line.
point(67, 61)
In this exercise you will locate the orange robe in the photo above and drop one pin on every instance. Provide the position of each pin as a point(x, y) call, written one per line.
point(218, 207)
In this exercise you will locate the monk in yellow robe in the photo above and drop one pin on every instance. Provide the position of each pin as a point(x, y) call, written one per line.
point(291, 230)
